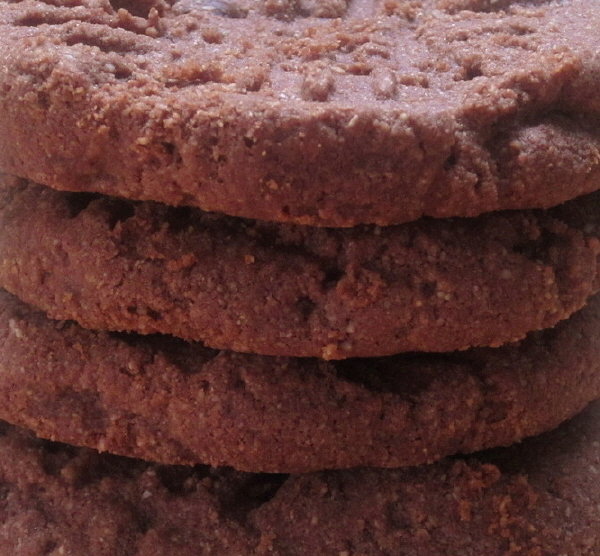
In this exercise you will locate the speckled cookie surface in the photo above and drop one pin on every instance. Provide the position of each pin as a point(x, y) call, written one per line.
point(332, 112)
point(281, 289)
point(537, 498)
point(164, 400)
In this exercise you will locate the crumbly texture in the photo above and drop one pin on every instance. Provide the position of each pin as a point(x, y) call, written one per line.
point(538, 498)
point(281, 289)
point(332, 112)
point(165, 400)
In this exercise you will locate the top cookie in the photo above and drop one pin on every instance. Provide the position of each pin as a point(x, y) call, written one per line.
point(331, 112)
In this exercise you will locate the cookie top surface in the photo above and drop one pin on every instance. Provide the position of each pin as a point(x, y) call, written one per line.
point(540, 497)
point(281, 289)
point(332, 112)
point(165, 400)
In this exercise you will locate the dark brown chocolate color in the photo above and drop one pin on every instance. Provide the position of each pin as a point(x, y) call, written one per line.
point(331, 112)
point(163, 399)
point(280, 289)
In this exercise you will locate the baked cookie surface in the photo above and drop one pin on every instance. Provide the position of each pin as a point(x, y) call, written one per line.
point(540, 497)
point(332, 113)
point(280, 289)
point(165, 400)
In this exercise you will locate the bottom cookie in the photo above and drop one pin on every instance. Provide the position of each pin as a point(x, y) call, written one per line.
point(538, 498)
point(165, 400)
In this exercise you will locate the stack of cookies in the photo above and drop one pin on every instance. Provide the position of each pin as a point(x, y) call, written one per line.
point(273, 271)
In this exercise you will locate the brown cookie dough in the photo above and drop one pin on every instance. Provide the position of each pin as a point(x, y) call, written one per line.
point(162, 399)
point(538, 498)
point(331, 113)
point(281, 289)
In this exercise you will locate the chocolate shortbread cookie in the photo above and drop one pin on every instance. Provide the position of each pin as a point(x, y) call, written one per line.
point(332, 112)
point(541, 497)
point(281, 289)
point(162, 399)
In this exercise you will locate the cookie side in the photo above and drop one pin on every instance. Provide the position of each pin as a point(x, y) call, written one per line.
point(166, 400)
point(537, 497)
point(281, 289)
